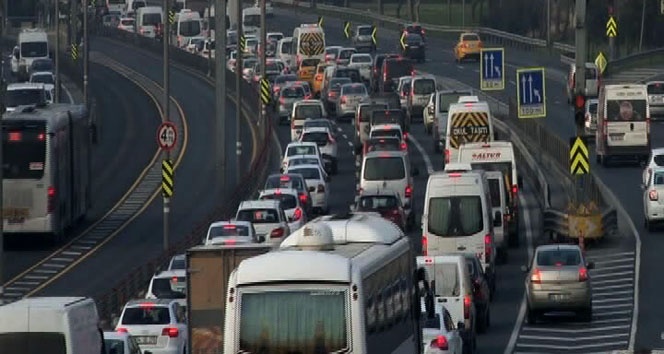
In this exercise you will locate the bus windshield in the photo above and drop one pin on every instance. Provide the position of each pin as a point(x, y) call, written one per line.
point(626, 110)
point(303, 322)
point(24, 152)
point(190, 28)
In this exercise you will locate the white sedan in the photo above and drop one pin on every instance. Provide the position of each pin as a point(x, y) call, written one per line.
point(290, 203)
point(655, 160)
point(653, 203)
point(298, 148)
point(120, 342)
point(317, 182)
point(363, 63)
point(327, 145)
point(439, 333)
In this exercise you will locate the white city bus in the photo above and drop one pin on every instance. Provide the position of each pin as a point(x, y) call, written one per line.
point(340, 284)
point(46, 168)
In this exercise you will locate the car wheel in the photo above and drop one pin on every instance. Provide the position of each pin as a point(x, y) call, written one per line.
point(531, 316)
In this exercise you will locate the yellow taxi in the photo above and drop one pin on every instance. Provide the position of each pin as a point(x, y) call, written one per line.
point(469, 45)
point(307, 70)
point(319, 77)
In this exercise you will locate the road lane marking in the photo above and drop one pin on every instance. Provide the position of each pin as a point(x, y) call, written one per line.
point(573, 347)
point(345, 136)
point(631, 272)
point(512, 82)
point(614, 293)
point(425, 156)
point(574, 339)
point(561, 330)
point(613, 281)
point(350, 144)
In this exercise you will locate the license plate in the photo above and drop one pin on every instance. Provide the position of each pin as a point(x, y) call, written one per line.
point(149, 340)
point(617, 137)
point(15, 215)
point(558, 297)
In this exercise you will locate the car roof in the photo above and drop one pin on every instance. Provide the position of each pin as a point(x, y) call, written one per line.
point(658, 151)
point(178, 256)
point(222, 223)
point(300, 143)
point(38, 73)
point(466, 33)
point(252, 204)
point(310, 102)
point(379, 192)
point(170, 273)
point(156, 302)
point(25, 85)
point(385, 127)
point(557, 247)
point(316, 130)
point(374, 154)
point(301, 167)
point(290, 175)
point(289, 191)
point(352, 84)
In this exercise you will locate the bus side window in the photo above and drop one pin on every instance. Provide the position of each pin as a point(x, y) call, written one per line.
point(370, 310)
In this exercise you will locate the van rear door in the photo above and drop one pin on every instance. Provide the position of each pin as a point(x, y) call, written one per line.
point(448, 284)
point(626, 122)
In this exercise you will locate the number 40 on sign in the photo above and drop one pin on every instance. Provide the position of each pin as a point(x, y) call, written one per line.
point(167, 136)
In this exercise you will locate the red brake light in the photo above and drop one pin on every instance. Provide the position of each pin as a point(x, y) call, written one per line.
point(409, 191)
point(122, 330)
point(583, 274)
point(487, 247)
point(425, 243)
point(404, 146)
point(229, 227)
point(278, 232)
point(174, 280)
point(282, 100)
point(171, 332)
point(41, 137)
point(50, 205)
point(146, 305)
point(15, 136)
point(579, 101)
point(653, 195)
point(466, 306)
point(298, 214)
point(330, 139)
point(303, 198)
point(447, 156)
point(536, 277)
point(468, 104)
point(284, 178)
point(230, 242)
point(454, 175)
point(440, 342)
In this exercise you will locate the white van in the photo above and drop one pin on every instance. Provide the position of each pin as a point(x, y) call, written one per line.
point(301, 111)
point(457, 217)
point(32, 44)
point(147, 19)
point(623, 123)
point(308, 43)
point(498, 193)
point(498, 156)
point(51, 325)
point(251, 20)
point(188, 26)
point(284, 51)
point(389, 170)
point(468, 123)
point(451, 284)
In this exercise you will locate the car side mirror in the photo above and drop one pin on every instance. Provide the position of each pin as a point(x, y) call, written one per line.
point(590, 265)
point(497, 219)
point(461, 326)
point(520, 182)
point(415, 172)
point(261, 239)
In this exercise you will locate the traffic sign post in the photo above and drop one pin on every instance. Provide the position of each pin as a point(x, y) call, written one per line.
point(171, 17)
point(531, 93)
point(492, 65)
point(579, 162)
point(167, 136)
point(266, 96)
point(167, 178)
point(601, 62)
point(347, 29)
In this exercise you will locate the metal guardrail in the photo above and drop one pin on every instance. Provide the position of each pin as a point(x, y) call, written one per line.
point(490, 34)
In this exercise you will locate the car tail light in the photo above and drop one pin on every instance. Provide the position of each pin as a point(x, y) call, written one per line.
point(447, 155)
point(230, 242)
point(278, 232)
point(440, 342)
point(653, 195)
point(466, 307)
point(321, 188)
point(122, 330)
point(15, 136)
point(515, 191)
point(425, 243)
point(171, 332)
point(330, 139)
point(303, 198)
point(298, 214)
point(605, 129)
point(404, 146)
point(487, 247)
point(282, 100)
point(648, 126)
point(536, 277)
point(583, 274)
point(408, 191)
point(50, 205)
point(422, 31)
point(343, 99)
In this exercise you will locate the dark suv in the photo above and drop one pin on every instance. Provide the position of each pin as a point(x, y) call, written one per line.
point(414, 48)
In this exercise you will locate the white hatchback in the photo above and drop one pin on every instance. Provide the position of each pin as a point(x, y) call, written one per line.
point(231, 233)
point(439, 333)
point(298, 148)
point(317, 182)
point(327, 145)
point(268, 218)
point(290, 202)
point(158, 326)
point(653, 198)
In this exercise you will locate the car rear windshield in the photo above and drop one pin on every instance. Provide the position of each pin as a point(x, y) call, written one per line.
point(592, 108)
point(177, 263)
point(308, 173)
point(377, 202)
point(626, 110)
point(315, 137)
point(42, 65)
point(309, 62)
point(293, 92)
point(33, 343)
point(384, 169)
point(360, 59)
point(24, 151)
point(447, 279)
point(319, 123)
point(353, 90)
point(346, 53)
point(398, 68)
point(494, 191)
point(281, 181)
point(658, 180)
point(303, 161)
point(364, 31)
point(352, 74)
point(286, 46)
point(15, 98)
point(336, 83)
point(424, 87)
point(285, 78)
point(386, 132)
point(301, 150)
point(413, 39)
point(229, 230)
point(470, 37)
point(151, 19)
point(559, 257)
point(446, 99)
point(288, 201)
point(656, 89)
point(304, 111)
point(127, 22)
point(455, 216)
point(383, 144)
point(146, 315)
point(258, 216)
point(42, 79)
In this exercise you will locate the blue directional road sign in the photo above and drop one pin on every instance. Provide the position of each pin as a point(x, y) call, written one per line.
point(492, 63)
point(530, 91)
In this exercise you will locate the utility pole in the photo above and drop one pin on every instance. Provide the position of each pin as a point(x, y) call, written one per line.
point(238, 96)
point(166, 108)
point(580, 61)
point(85, 53)
point(263, 40)
point(2, 133)
point(57, 51)
point(548, 23)
point(220, 90)
point(612, 40)
point(643, 20)
point(463, 13)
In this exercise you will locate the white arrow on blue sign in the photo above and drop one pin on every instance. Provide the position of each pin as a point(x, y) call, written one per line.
point(492, 65)
point(530, 87)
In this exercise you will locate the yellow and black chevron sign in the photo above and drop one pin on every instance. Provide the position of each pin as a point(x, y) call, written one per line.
point(347, 29)
point(469, 127)
point(611, 27)
point(320, 21)
point(312, 44)
point(243, 44)
point(167, 178)
point(74, 51)
point(266, 97)
point(171, 16)
point(374, 38)
point(402, 40)
point(579, 163)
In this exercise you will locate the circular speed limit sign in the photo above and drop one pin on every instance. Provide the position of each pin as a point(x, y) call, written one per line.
point(167, 136)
